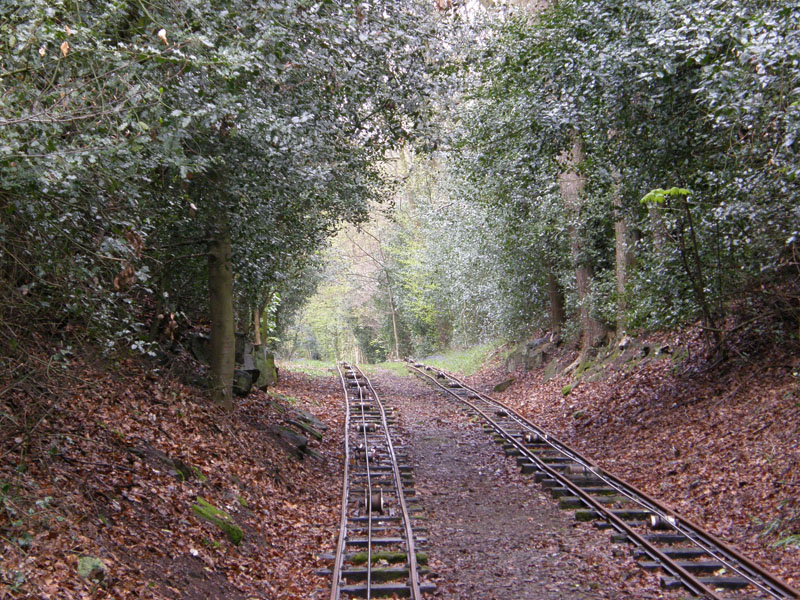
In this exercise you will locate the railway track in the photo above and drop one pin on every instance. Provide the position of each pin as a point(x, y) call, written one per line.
point(378, 552)
point(686, 554)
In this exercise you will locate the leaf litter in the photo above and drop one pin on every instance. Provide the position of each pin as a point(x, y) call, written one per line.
point(109, 468)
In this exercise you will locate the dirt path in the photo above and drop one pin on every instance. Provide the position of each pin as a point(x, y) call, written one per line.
point(493, 533)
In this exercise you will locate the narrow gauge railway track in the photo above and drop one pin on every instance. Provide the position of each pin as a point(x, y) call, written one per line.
point(377, 550)
point(687, 555)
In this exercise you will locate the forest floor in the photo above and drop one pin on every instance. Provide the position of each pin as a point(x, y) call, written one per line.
point(492, 532)
point(92, 471)
point(88, 470)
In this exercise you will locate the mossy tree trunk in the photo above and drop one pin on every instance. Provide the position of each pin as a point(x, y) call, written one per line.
point(556, 299)
point(571, 184)
point(220, 288)
point(257, 326)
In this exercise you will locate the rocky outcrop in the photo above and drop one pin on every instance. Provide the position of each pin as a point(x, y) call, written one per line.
point(531, 354)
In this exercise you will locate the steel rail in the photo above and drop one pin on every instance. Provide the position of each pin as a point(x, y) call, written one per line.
point(694, 584)
point(713, 546)
point(336, 576)
point(416, 594)
point(368, 497)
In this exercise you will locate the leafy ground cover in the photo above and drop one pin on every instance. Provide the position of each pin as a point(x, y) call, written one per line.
point(716, 442)
point(99, 484)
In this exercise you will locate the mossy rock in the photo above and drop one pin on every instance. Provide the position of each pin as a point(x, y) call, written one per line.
point(207, 511)
point(565, 391)
point(91, 568)
point(267, 371)
point(504, 385)
point(551, 369)
point(242, 382)
point(583, 367)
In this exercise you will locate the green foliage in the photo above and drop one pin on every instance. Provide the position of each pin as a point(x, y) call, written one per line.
point(133, 134)
point(697, 92)
point(658, 195)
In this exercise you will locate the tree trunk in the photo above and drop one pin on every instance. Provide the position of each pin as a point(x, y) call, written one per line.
point(657, 227)
point(220, 291)
point(556, 298)
point(257, 326)
point(571, 184)
point(394, 322)
point(625, 258)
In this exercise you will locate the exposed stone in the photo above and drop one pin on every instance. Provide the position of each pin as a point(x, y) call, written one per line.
point(91, 568)
point(504, 385)
point(534, 344)
point(242, 382)
point(199, 345)
point(537, 356)
point(551, 369)
point(515, 360)
point(240, 345)
point(265, 363)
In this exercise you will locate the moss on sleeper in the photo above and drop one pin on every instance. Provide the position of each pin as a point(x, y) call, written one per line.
point(207, 511)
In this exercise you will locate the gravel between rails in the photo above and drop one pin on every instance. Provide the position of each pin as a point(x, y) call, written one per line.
point(493, 533)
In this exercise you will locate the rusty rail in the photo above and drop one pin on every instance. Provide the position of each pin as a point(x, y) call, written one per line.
point(694, 534)
point(365, 396)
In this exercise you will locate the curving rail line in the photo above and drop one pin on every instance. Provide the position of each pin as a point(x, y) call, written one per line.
point(375, 529)
point(690, 556)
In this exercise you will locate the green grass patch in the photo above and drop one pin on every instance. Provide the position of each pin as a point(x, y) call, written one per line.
point(393, 366)
point(315, 368)
point(467, 361)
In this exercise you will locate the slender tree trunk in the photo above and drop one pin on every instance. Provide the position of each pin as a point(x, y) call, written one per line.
point(257, 326)
point(223, 346)
point(696, 275)
point(556, 297)
point(657, 227)
point(394, 324)
point(625, 258)
point(571, 184)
